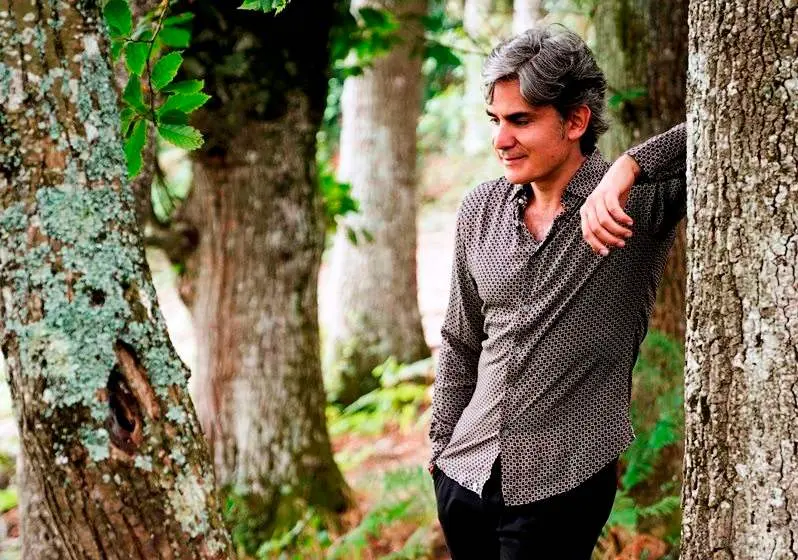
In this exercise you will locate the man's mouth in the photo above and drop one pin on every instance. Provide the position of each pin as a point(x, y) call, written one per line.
point(511, 159)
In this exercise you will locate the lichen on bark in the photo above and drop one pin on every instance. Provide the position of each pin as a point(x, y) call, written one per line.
point(89, 361)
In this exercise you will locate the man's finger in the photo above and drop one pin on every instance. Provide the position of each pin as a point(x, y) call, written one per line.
point(587, 234)
point(609, 223)
point(615, 210)
point(605, 237)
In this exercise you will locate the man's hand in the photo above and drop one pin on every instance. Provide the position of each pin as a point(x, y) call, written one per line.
point(604, 223)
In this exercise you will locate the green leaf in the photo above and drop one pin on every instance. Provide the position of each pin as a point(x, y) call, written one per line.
point(133, 96)
point(264, 5)
point(183, 102)
point(119, 19)
point(178, 19)
point(126, 117)
point(374, 18)
point(173, 117)
point(117, 46)
point(181, 135)
point(136, 57)
point(185, 86)
point(165, 70)
point(176, 37)
point(133, 146)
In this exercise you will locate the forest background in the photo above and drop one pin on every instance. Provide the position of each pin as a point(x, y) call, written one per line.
point(296, 173)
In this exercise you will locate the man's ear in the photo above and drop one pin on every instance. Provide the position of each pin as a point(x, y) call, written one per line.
point(577, 121)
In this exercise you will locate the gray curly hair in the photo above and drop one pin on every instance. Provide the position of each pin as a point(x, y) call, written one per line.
point(554, 67)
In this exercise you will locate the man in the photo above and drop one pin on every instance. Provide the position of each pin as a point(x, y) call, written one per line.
point(555, 275)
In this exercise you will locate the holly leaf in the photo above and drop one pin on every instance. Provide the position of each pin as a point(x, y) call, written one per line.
point(181, 135)
point(165, 70)
point(119, 19)
point(133, 146)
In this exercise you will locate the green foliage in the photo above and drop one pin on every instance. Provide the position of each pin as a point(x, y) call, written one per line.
point(398, 401)
point(406, 496)
point(265, 5)
point(619, 98)
point(150, 98)
point(658, 374)
point(8, 499)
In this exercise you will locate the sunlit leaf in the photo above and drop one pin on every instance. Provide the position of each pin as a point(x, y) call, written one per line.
point(166, 69)
point(119, 19)
point(182, 136)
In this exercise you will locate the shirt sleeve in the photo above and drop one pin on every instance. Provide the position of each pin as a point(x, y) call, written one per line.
point(662, 185)
point(462, 334)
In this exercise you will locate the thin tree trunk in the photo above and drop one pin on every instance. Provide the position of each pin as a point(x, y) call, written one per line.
point(259, 389)
point(111, 443)
point(376, 312)
point(526, 14)
point(643, 47)
point(477, 132)
point(740, 493)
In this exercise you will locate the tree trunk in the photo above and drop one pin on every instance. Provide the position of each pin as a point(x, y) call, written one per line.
point(526, 14)
point(643, 47)
point(376, 312)
point(740, 495)
point(259, 392)
point(111, 442)
point(477, 132)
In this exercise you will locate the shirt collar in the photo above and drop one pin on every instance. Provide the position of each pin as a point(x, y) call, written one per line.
point(585, 179)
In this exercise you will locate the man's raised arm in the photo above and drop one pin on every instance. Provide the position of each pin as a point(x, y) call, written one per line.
point(658, 165)
point(462, 335)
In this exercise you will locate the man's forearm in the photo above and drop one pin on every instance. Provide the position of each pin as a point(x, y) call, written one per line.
point(663, 156)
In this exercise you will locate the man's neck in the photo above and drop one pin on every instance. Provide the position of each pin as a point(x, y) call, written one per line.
point(548, 191)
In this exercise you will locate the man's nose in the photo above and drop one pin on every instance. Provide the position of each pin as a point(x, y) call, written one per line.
point(502, 137)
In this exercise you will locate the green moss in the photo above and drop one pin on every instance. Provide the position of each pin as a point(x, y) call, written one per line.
point(176, 414)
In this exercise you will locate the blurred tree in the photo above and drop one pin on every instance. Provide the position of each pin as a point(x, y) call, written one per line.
point(112, 448)
point(740, 494)
point(476, 23)
point(376, 312)
point(259, 390)
point(526, 14)
point(642, 48)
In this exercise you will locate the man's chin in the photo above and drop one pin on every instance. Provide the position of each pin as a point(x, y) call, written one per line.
point(518, 178)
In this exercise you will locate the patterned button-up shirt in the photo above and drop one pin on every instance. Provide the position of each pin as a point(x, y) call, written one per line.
point(540, 337)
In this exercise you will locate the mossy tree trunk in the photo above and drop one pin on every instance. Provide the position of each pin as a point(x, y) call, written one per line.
point(259, 391)
point(740, 494)
point(375, 309)
point(111, 442)
point(643, 52)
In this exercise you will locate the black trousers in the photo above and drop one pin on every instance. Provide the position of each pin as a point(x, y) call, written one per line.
point(562, 527)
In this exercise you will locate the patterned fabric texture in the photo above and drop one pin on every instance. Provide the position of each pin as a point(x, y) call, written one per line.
point(540, 337)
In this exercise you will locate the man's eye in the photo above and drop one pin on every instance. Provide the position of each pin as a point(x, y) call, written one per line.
point(494, 120)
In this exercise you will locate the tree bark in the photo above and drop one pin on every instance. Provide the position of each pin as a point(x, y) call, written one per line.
point(259, 390)
point(642, 45)
point(111, 442)
point(477, 132)
point(740, 493)
point(526, 14)
point(376, 313)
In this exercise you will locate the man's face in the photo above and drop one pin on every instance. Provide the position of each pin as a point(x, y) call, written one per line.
point(531, 142)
